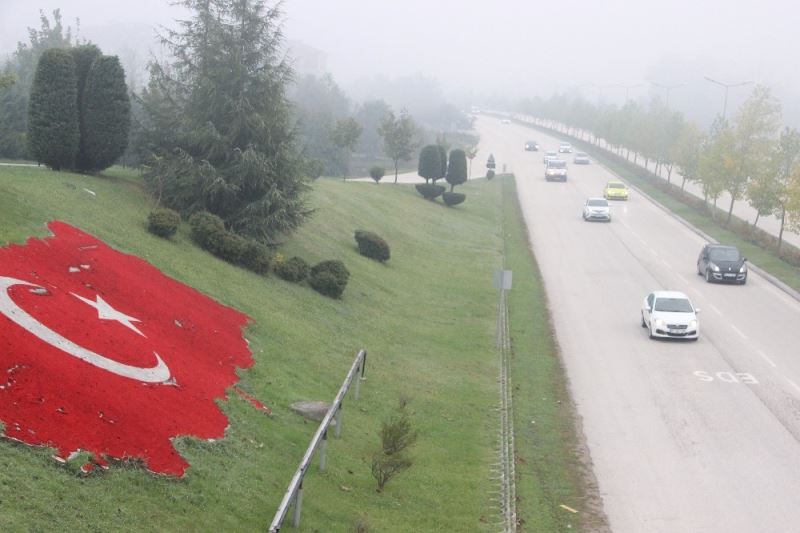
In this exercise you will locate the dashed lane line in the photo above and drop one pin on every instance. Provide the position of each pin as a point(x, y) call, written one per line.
point(766, 358)
point(793, 384)
point(737, 330)
point(716, 310)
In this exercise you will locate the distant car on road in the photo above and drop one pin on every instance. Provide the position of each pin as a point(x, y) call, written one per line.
point(722, 263)
point(505, 121)
point(548, 155)
point(564, 148)
point(555, 170)
point(615, 190)
point(581, 159)
point(596, 209)
point(670, 314)
point(531, 146)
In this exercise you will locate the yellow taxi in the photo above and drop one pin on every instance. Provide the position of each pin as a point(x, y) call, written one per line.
point(615, 190)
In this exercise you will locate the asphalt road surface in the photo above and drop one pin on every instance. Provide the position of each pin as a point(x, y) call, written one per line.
point(683, 436)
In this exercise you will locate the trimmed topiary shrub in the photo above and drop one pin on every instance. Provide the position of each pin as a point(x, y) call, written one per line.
point(256, 257)
point(163, 222)
point(489, 174)
point(294, 270)
point(376, 173)
point(429, 190)
point(457, 168)
point(329, 278)
point(208, 231)
point(453, 198)
point(372, 245)
point(430, 163)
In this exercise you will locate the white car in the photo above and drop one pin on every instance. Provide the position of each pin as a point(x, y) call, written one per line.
point(550, 154)
point(555, 170)
point(596, 209)
point(565, 148)
point(670, 315)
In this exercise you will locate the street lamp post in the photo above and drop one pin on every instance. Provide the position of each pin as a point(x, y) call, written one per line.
point(726, 86)
point(668, 88)
point(627, 88)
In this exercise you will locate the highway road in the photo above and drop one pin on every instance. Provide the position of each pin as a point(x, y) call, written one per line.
point(683, 436)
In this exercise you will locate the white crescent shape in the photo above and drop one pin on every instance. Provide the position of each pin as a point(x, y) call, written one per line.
point(156, 374)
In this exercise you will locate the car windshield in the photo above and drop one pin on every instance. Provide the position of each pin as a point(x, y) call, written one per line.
point(674, 305)
point(597, 202)
point(556, 164)
point(615, 185)
point(724, 254)
point(551, 153)
point(580, 154)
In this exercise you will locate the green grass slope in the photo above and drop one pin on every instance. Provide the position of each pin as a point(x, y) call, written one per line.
point(427, 318)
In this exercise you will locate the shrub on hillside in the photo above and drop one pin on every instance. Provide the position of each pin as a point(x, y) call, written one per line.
point(207, 230)
point(429, 190)
point(453, 198)
point(430, 163)
point(256, 257)
point(397, 436)
point(231, 248)
point(376, 173)
point(329, 278)
point(163, 222)
point(294, 269)
point(372, 246)
point(489, 174)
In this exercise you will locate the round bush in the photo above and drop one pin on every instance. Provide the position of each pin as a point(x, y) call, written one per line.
point(232, 248)
point(372, 246)
point(256, 257)
point(453, 198)
point(294, 270)
point(430, 191)
point(207, 230)
point(163, 222)
point(489, 174)
point(329, 278)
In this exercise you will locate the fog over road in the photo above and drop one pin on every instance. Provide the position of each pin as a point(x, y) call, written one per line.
point(684, 436)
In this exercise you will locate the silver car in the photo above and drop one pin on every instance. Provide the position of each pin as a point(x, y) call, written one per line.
point(596, 209)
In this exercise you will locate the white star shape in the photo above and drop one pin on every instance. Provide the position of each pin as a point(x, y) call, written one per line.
point(106, 312)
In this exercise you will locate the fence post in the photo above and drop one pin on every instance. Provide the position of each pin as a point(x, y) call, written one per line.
point(357, 392)
point(298, 504)
point(322, 450)
point(338, 431)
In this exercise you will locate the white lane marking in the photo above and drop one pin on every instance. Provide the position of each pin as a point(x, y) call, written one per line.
point(793, 384)
point(766, 358)
point(666, 263)
point(696, 291)
point(653, 251)
point(737, 330)
point(714, 308)
point(726, 377)
point(684, 280)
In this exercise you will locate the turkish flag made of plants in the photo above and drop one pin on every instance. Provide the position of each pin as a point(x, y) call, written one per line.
point(101, 352)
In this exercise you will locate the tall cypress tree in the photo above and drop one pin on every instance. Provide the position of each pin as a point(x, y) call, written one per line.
point(106, 114)
point(457, 169)
point(53, 111)
point(84, 56)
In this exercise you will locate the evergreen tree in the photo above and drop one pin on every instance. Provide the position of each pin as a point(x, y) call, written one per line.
point(442, 160)
point(219, 120)
point(84, 56)
point(106, 115)
point(457, 169)
point(430, 163)
point(53, 111)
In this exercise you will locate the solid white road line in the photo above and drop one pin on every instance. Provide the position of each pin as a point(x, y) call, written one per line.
point(737, 330)
point(684, 280)
point(714, 308)
point(766, 358)
point(793, 384)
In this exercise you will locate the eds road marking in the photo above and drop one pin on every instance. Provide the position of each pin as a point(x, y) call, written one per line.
point(727, 377)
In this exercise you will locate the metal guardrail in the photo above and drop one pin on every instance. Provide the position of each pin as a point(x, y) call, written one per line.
point(294, 494)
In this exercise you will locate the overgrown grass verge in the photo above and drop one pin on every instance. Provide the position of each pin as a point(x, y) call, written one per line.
point(758, 246)
point(427, 318)
point(551, 464)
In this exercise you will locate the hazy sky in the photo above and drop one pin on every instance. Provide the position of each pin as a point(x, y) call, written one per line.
point(514, 47)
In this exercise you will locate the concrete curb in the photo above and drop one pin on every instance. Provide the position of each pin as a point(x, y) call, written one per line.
point(755, 268)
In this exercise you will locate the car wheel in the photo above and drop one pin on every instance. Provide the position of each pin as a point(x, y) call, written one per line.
point(650, 331)
point(644, 325)
point(695, 339)
point(699, 271)
point(743, 281)
point(708, 275)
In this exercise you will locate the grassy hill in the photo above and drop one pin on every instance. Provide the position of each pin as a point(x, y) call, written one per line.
point(427, 319)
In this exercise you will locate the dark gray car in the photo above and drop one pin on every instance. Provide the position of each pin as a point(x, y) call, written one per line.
point(722, 263)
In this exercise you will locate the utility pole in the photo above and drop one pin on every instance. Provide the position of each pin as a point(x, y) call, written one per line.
point(727, 86)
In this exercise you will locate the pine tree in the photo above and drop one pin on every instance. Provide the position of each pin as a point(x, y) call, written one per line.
point(53, 111)
point(84, 56)
point(107, 115)
point(219, 120)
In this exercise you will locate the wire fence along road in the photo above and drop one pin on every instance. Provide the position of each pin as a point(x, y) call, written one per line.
point(507, 474)
point(294, 494)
